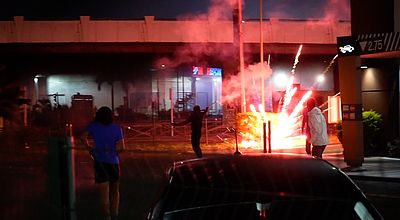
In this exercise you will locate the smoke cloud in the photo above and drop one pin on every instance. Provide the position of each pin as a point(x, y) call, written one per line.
point(221, 10)
point(252, 84)
point(337, 10)
point(293, 9)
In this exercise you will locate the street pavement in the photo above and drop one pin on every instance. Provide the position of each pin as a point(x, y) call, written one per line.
point(373, 168)
point(28, 192)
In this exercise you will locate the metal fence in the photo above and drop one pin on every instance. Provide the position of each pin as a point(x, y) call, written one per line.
point(214, 130)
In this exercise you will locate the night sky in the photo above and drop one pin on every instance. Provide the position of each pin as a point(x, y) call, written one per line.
point(168, 9)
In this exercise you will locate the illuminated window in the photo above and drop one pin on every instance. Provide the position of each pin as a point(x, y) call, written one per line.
point(334, 109)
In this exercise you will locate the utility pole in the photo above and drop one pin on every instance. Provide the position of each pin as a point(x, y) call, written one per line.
point(241, 57)
point(112, 96)
point(262, 55)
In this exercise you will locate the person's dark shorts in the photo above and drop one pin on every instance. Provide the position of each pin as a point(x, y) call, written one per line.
point(106, 172)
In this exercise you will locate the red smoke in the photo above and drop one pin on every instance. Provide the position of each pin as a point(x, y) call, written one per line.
point(337, 10)
point(232, 85)
point(199, 54)
point(192, 26)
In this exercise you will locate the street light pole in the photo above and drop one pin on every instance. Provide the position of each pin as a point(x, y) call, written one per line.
point(36, 81)
point(262, 56)
point(241, 58)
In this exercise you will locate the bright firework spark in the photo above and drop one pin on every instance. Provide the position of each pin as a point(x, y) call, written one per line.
point(327, 109)
point(289, 124)
point(296, 60)
point(299, 105)
point(327, 68)
point(285, 127)
point(330, 64)
point(290, 91)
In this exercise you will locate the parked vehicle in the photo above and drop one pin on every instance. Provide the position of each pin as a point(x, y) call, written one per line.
point(261, 186)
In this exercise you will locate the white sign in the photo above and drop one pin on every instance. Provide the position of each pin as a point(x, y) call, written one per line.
point(346, 49)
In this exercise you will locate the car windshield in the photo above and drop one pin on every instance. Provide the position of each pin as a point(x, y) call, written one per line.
point(288, 208)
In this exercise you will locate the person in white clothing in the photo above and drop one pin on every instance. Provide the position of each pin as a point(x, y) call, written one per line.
point(318, 129)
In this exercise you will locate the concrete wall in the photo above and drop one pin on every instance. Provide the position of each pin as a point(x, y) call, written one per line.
point(151, 30)
point(86, 85)
point(380, 93)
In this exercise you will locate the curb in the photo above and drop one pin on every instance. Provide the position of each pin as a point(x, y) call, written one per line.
point(374, 178)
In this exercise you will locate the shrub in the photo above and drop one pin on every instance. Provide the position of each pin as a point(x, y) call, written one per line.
point(372, 122)
point(373, 137)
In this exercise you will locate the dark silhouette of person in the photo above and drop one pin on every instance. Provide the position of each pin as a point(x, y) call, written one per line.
point(196, 119)
point(305, 129)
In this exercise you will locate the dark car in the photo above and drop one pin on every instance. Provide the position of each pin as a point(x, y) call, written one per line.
point(262, 186)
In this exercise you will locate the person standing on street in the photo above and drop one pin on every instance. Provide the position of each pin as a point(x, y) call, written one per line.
point(196, 119)
point(104, 140)
point(318, 129)
point(306, 130)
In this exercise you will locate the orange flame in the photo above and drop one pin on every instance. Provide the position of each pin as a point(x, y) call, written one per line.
point(284, 127)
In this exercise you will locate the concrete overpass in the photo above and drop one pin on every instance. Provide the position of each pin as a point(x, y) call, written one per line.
point(158, 36)
point(123, 48)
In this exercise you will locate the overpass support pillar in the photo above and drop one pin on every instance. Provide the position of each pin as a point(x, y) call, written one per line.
point(350, 92)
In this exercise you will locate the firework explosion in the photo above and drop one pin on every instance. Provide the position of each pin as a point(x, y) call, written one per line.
point(285, 125)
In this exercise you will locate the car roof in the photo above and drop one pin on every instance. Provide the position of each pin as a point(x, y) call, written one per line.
point(274, 174)
point(210, 185)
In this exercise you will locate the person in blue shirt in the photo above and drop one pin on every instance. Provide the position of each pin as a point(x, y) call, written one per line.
point(104, 140)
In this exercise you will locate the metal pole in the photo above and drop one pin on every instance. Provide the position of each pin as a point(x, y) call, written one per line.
point(112, 97)
point(177, 90)
point(206, 130)
point(158, 96)
point(25, 106)
point(265, 137)
point(183, 92)
point(171, 97)
point(68, 130)
point(71, 212)
point(241, 58)
point(237, 152)
point(262, 56)
point(269, 137)
point(36, 81)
